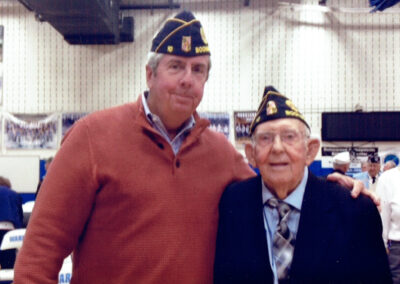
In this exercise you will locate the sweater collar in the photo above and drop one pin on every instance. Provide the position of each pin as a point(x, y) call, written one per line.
point(139, 115)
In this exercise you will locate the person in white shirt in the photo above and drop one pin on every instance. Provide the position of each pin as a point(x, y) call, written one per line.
point(388, 189)
point(389, 165)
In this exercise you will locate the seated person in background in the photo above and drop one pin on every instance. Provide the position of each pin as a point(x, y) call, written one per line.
point(370, 177)
point(10, 218)
point(389, 165)
point(341, 162)
point(289, 226)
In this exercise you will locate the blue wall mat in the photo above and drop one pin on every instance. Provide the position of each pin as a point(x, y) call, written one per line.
point(317, 170)
point(27, 197)
point(42, 169)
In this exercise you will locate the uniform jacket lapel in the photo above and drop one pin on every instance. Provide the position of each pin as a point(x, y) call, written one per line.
point(316, 228)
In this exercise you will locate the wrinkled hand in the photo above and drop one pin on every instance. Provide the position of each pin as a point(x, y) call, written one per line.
point(356, 187)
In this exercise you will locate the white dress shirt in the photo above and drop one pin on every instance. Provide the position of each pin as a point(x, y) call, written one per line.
point(156, 122)
point(388, 189)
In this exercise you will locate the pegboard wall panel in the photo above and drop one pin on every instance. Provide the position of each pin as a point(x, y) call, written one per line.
point(324, 61)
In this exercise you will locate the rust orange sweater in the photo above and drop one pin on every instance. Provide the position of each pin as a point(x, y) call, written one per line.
point(129, 209)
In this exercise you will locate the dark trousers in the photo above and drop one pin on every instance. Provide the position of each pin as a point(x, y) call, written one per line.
point(7, 257)
point(394, 261)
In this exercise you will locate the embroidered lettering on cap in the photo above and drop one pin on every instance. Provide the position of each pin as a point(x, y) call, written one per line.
point(202, 49)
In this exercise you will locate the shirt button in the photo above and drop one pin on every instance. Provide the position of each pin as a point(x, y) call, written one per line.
point(178, 163)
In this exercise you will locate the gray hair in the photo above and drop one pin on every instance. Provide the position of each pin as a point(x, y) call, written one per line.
point(153, 59)
point(390, 165)
point(307, 132)
point(5, 182)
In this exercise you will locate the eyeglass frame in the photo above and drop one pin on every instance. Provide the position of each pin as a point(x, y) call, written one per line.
point(299, 135)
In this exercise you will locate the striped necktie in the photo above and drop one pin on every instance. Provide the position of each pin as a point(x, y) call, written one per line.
point(283, 239)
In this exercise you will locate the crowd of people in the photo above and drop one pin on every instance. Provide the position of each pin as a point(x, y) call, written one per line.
point(384, 180)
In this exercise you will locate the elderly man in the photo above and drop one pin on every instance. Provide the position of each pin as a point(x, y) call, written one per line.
point(370, 177)
point(287, 225)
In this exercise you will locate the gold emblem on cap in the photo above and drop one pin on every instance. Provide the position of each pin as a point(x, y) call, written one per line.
point(271, 108)
point(170, 48)
point(294, 114)
point(203, 35)
point(186, 43)
point(290, 104)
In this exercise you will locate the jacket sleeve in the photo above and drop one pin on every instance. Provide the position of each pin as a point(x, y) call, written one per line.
point(61, 210)
point(223, 261)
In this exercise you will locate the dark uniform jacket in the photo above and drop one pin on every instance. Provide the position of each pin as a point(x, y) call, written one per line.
point(339, 238)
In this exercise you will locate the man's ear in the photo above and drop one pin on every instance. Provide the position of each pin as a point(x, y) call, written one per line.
point(249, 150)
point(312, 150)
point(149, 76)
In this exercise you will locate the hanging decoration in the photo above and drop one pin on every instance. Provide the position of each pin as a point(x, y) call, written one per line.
point(242, 121)
point(68, 119)
point(30, 131)
point(219, 121)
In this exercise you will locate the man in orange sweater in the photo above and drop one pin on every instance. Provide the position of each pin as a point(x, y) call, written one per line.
point(133, 191)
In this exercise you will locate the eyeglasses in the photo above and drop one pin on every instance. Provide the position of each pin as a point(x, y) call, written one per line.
point(289, 137)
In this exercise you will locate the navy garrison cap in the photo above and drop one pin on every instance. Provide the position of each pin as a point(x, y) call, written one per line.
point(374, 158)
point(274, 106)
point(182, 35)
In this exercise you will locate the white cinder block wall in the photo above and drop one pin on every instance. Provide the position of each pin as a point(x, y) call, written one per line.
point(324, 61)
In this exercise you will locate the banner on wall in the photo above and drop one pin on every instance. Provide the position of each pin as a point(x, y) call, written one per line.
point(357, 156)
point(30, 131)
point(242, 121)
point(360, 153)
point(68, 119)
point(219, 121)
